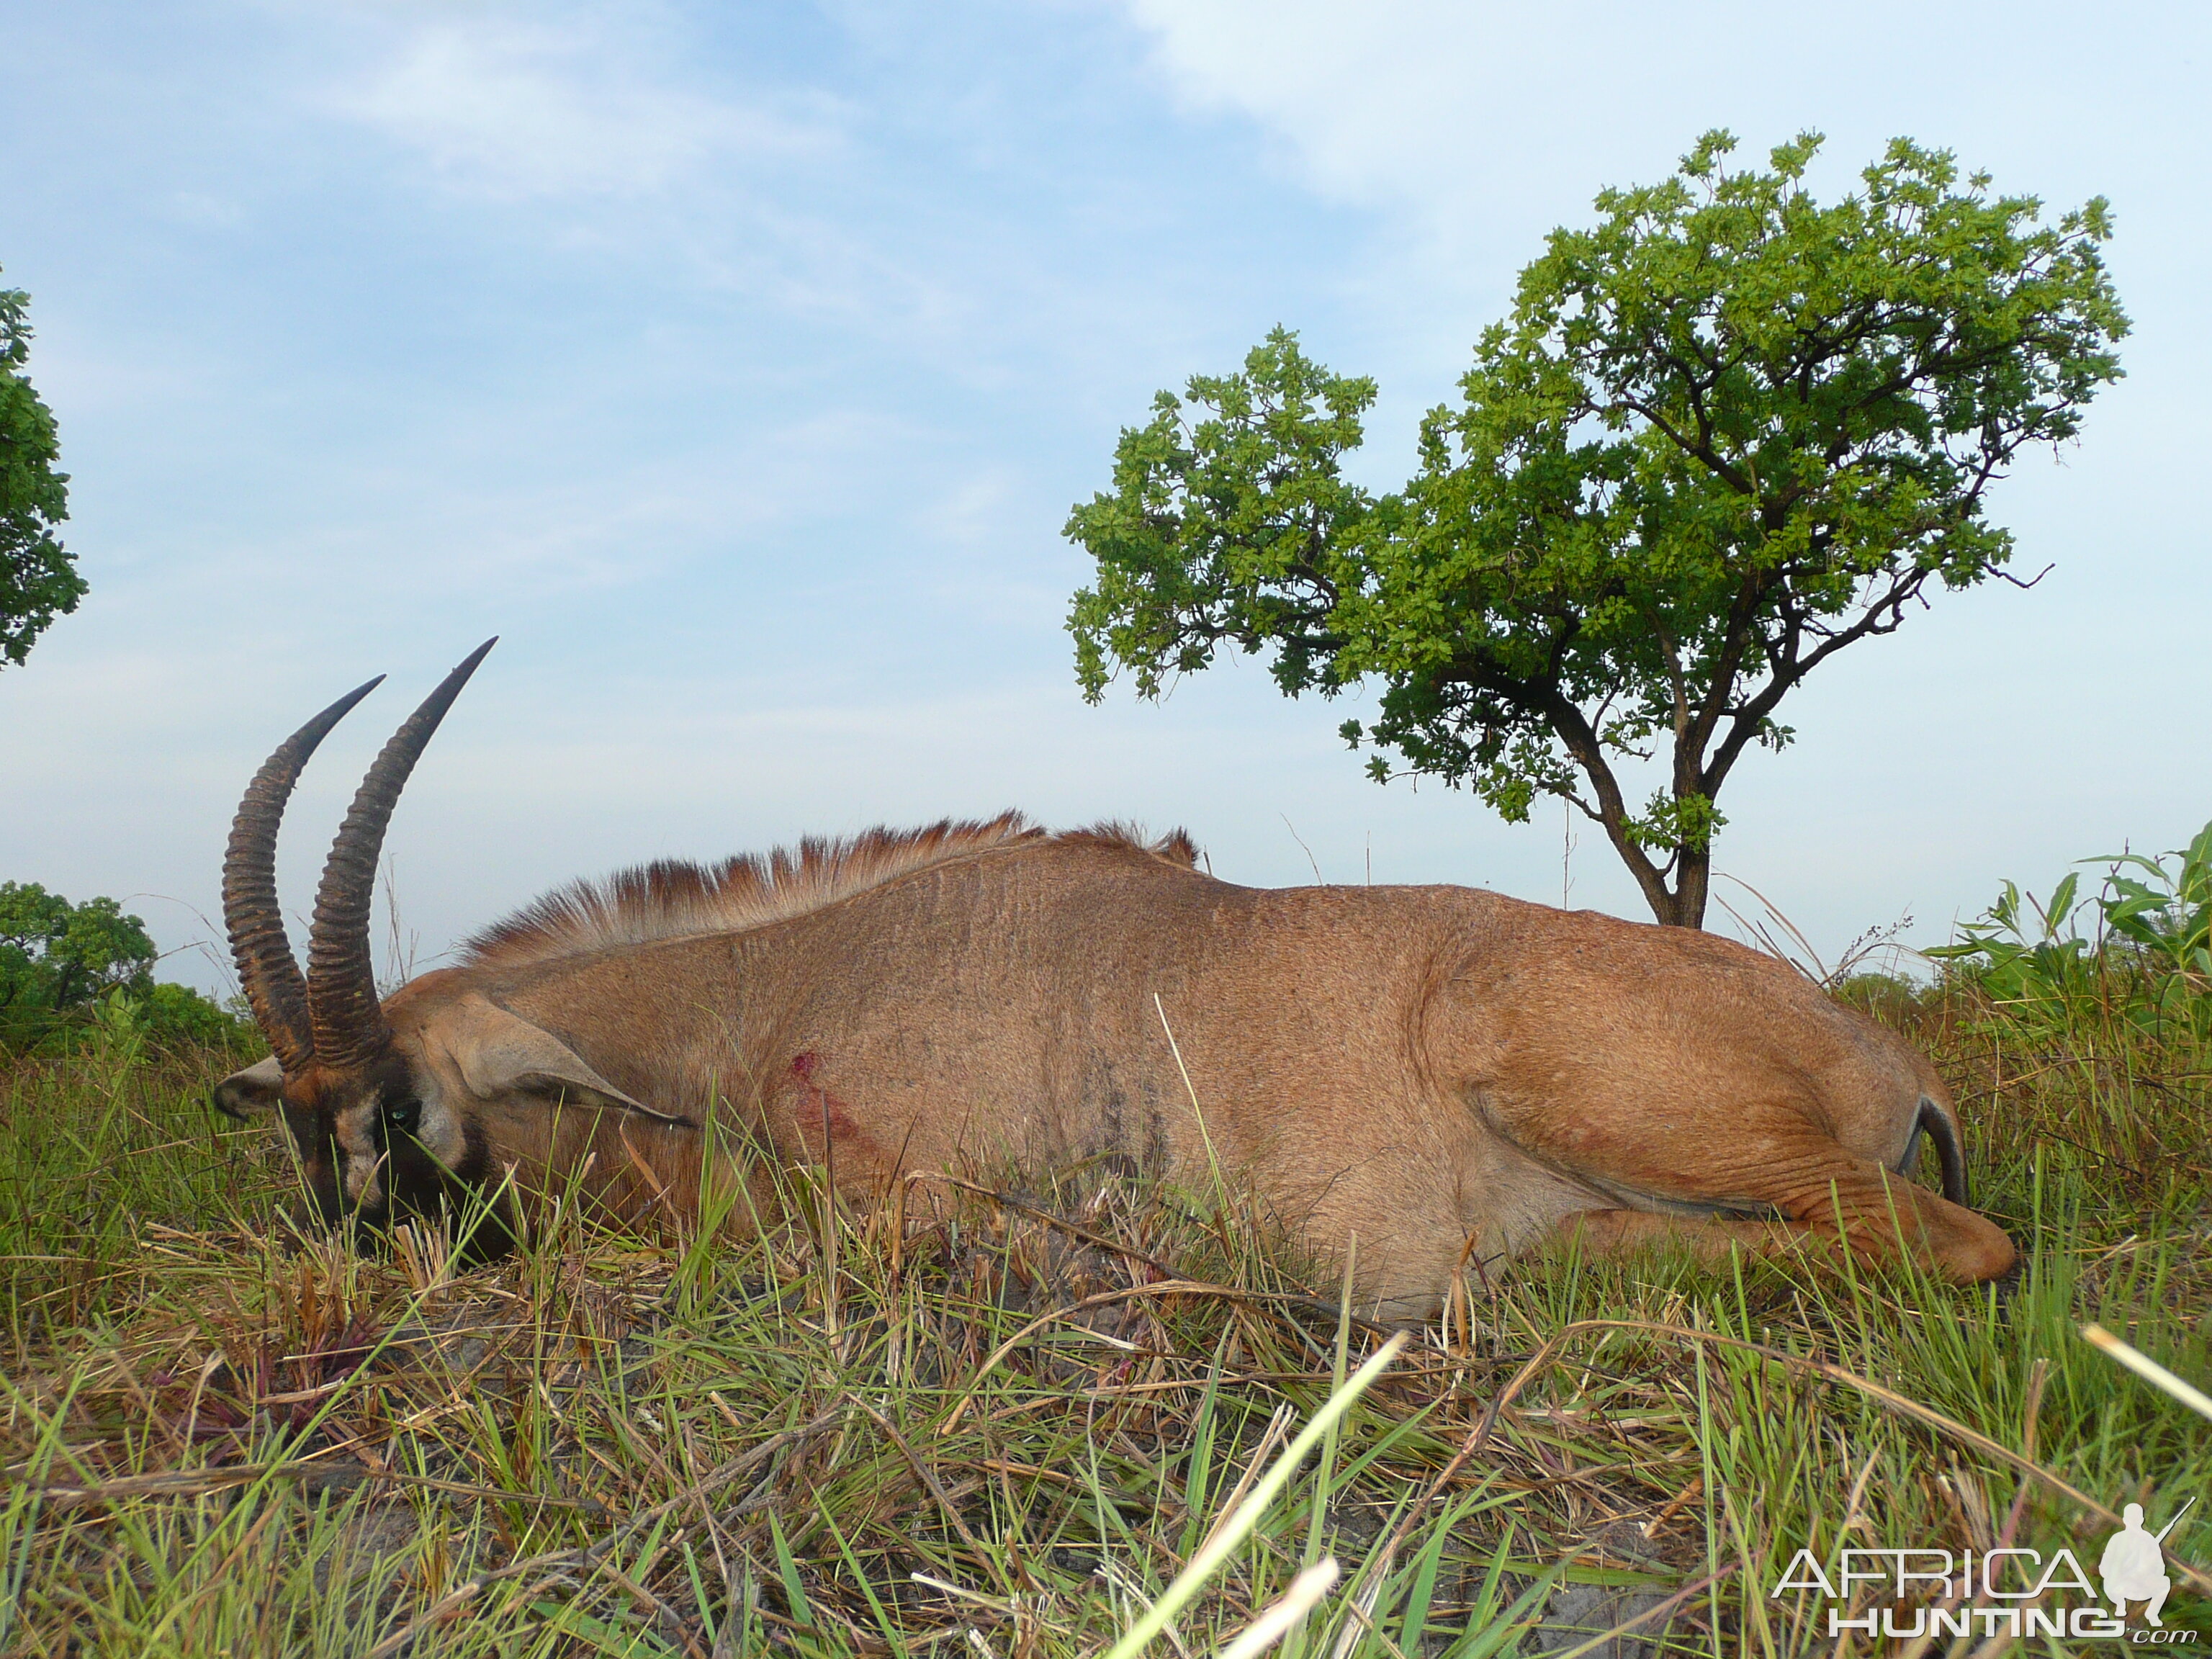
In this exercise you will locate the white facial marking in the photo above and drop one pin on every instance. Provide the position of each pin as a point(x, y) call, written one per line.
point(364, 1161)
point(440, 1133)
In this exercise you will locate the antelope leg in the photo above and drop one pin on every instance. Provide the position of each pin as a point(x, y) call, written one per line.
point(1829, 1198)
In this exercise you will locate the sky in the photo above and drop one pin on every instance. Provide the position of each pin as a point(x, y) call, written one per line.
point(738, 364)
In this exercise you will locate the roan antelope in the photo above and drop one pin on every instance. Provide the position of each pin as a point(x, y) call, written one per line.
point(1434, 1070)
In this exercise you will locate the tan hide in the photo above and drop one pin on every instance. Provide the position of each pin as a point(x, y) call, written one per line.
point(1426, 1067)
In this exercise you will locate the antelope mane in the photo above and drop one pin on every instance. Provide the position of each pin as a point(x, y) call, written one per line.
point(676, 899)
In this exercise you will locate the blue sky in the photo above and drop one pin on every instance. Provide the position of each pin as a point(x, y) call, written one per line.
point(738, 365)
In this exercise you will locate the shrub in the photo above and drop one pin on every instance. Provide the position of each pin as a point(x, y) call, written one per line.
point(2146, 955)
point(65, 969)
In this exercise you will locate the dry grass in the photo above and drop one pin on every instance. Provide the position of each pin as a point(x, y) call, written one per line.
point(999, 1434)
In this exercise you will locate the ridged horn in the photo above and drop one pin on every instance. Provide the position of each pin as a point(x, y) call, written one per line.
point(344, 1015)
point(266, 968)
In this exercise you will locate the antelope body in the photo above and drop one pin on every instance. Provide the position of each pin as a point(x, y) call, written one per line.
point(1437, 1071)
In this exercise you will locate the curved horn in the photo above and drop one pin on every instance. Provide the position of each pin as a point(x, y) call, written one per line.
point(344, 1013)
point(274, 989)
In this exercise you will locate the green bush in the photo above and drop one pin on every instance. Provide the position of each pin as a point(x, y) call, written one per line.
point(1885, 996)
point(67, 969)
point(2146, 954)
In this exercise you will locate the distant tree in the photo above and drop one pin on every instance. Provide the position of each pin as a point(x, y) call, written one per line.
point(38, 579)
point(61, 964)
point(56, 956)
point(1725, 434)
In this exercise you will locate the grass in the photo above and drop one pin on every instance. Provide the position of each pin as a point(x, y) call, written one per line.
point(996, 1435)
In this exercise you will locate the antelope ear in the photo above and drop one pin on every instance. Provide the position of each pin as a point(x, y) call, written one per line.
point(252, 1093)
point(501, 1053)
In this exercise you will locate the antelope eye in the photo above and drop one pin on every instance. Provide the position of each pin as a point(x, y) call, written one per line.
point(406, 1116)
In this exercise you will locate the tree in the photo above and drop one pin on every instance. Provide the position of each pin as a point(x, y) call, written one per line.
point(63, 965)
point(1725, 434)
point(56, 958)
point(38, 579)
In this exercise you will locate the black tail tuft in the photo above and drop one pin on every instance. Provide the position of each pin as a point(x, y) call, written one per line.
point(1945, 1134)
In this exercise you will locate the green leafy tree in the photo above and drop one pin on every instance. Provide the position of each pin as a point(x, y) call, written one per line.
point(57, 958)
point(1725, 434)
point(37, 578)
point(64, 966)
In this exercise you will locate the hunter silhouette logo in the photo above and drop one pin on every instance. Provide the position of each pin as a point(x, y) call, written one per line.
point(2134, 1563)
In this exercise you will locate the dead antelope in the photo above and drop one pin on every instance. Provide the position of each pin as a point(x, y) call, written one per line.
point(1436, 1070)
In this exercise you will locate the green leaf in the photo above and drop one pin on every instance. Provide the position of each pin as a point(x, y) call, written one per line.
point(37, 578)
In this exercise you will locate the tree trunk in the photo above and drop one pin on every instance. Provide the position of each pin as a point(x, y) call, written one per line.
point(1694, 874)
point(1682, 905)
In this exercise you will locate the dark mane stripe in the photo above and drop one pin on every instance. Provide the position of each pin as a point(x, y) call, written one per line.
point(673, 899)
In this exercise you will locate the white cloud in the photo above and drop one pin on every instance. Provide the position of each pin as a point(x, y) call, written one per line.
point(1485, 124)
point(1357, 92)
point(515, 109)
